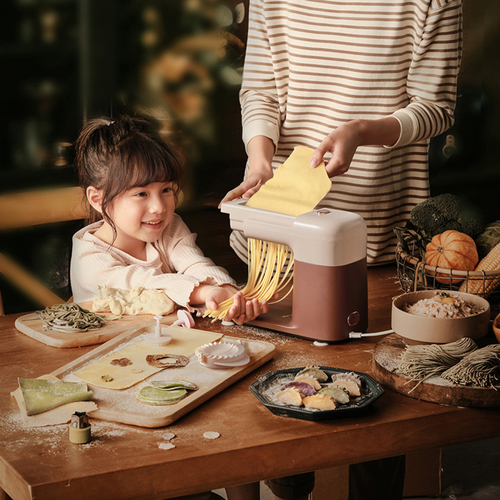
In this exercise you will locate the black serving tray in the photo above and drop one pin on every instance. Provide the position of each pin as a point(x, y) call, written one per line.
point(267, 386)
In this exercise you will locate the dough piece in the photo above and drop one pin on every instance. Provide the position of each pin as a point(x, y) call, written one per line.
point(351, 387)
point(338, 393)
point(296, 188)
point(290, 396)
point(166, 360)
point(168, 436)
point(166, 446)
point(160, 397)
point(308, 380)
point(349, 380)
point(120, 362)
point(303, 387)
point(211, 435)
point(320, 402)
point(316, 372)
point(60, 415)
point(136, 301)
point(184, 342)
point(42, 395)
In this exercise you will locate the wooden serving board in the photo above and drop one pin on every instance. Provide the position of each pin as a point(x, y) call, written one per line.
point(435, 390)
point(123, 406)
point(32, 326)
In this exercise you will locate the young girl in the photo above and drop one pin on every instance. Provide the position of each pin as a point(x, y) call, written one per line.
point(131, 180)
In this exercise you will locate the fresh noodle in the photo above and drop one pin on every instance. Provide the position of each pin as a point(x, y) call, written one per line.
point(270, 271)
point(70, 318)
point(420, 362)
point(480, 368)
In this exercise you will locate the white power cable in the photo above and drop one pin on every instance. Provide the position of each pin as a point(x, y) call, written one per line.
point(358, 335)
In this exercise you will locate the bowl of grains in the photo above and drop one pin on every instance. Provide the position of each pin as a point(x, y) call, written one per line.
point(440, 317)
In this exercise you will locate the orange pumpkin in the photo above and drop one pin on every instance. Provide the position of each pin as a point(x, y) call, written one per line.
point(451, 250)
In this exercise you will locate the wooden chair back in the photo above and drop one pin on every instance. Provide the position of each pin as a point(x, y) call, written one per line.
point(30, 208)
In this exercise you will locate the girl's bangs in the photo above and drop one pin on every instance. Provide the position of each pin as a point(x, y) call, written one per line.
point(146, 167)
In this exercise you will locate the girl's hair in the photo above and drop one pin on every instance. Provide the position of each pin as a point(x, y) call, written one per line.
point(115, 155)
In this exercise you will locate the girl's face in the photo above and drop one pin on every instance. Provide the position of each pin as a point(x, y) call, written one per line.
point(141, 214)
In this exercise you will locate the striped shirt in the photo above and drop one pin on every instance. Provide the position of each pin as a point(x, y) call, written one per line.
point(312, 65)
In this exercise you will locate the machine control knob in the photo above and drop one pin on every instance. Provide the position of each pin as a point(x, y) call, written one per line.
point(353, 318)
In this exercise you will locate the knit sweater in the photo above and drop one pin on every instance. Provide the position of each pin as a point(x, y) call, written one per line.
point(173, 264)
point(312, 65)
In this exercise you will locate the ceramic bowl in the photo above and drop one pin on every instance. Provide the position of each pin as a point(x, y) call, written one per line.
point(438, 330)
point(496, 327)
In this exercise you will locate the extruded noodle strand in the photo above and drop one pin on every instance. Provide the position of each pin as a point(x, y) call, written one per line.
point(270, 271)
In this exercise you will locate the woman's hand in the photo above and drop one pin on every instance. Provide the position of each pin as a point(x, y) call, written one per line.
point(343, 142)
point(260, 151)
point(249, 186)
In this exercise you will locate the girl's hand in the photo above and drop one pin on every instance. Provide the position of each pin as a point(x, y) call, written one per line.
point(243, 311)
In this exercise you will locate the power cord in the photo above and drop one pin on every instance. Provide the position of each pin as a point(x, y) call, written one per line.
point(358, 335)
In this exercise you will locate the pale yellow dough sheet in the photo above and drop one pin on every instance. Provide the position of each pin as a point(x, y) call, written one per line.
point(296, 188)
point(184, 342)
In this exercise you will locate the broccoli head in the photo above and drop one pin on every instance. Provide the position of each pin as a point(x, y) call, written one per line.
point(446, 212)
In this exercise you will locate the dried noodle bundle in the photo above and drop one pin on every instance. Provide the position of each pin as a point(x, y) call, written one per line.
point(420, 362)
point(481, 368)
point(70, 318)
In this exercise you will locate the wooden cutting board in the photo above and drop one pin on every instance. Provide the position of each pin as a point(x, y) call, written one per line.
point(436, 390)
point(123, 406)
point(32, 326)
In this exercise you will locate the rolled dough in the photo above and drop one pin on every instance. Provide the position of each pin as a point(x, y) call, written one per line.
point(296, 188)
point(184, 342)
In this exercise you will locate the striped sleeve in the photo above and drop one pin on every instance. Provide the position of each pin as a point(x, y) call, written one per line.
point(259, 96)
point(433, 73)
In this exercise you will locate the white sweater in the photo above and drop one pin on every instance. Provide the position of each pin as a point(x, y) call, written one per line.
point(312, 65)
point(174, 264)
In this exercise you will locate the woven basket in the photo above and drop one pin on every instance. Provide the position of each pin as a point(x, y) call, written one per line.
point(414, 275)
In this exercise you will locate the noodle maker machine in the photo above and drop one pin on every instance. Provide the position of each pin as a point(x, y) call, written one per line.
point(330, 297)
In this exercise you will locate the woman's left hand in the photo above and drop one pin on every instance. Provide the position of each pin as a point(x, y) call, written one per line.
point(342, 144)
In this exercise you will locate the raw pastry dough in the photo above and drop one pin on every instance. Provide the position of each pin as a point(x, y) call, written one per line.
point(136, 301)
point(60, 415)
point(41, 395)
point(296, 188)
point(184, 342)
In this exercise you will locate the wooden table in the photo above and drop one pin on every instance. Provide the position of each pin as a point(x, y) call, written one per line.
point(126, 462)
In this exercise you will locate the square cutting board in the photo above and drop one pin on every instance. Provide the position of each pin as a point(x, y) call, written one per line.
point(122, 406)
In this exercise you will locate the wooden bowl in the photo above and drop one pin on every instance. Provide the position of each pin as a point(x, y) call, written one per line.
point(439, 330)
point(496, 327)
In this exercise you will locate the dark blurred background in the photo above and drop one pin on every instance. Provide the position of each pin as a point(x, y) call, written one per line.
point(179, 63)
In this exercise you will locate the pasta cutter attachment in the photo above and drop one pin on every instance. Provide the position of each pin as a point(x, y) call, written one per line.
point(160, 335)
